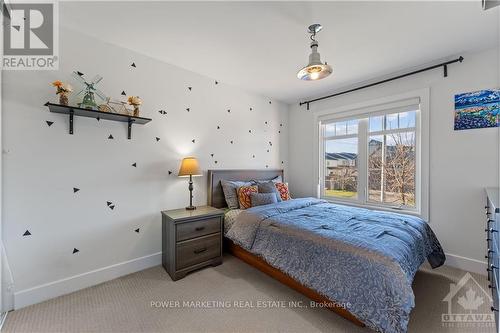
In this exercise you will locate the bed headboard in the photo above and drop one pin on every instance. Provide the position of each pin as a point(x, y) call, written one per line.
point(216, 195)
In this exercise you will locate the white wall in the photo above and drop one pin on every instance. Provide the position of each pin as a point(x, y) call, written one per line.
point(462, 163)
point(42, 164)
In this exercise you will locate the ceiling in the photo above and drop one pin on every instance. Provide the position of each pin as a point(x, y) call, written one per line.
point(259, 46)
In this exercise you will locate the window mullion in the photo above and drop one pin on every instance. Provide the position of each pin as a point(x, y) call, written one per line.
point(363, 160)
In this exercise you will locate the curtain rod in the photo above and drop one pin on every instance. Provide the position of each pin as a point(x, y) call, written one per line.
point(443, 64)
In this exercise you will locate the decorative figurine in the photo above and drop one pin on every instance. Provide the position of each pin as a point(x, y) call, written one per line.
point(89, 89)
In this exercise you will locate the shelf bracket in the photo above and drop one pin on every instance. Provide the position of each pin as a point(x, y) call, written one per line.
point(71, 122)
point(130, 121)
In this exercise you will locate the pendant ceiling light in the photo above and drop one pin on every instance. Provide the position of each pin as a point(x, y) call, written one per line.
point(315, 69)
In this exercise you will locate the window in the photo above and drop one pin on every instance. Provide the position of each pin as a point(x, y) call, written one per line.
point(372, 158)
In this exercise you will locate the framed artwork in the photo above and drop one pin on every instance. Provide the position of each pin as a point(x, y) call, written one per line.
point(478, 109)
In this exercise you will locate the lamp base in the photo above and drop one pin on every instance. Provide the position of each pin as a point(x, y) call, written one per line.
point(190, 207)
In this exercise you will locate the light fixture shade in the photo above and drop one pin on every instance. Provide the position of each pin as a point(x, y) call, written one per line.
point(189, 167)
point(314, 72)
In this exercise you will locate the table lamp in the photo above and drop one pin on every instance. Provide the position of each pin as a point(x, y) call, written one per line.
point(190, 167)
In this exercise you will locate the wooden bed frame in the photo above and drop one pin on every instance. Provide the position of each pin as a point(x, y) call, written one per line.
point(216, 199)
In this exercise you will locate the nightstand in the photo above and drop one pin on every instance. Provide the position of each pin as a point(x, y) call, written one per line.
point(191, 239)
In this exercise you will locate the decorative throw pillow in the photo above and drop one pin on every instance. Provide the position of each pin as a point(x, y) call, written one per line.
point(283, 190)
point(230, 189)
point(268, 187)
point(259, 199)
point(244, 195)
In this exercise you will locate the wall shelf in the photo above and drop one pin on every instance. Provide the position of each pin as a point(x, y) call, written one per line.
point(72, 111)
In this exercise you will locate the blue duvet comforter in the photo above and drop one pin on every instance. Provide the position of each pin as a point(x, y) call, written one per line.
point(362, 258)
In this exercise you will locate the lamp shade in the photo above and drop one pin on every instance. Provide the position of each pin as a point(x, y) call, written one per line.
point(189, 167)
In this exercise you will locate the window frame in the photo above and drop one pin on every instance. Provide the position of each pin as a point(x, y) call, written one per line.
point(363, 111)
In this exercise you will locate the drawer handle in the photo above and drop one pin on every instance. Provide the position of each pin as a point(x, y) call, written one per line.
point(488, 239)
point(489, 221)
point(493, 309)
point(488, 255)
point(198, 251)
point(199, 228)
point(491, 230)
point(491, 287)
point(492, 267)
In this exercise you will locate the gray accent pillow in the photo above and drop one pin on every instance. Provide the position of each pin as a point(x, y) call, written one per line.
point(230, 189)
point(277, 179)
point(259, 199)
point(268, 187)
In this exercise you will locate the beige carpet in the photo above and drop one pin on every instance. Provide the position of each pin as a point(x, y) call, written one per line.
point(124, 305)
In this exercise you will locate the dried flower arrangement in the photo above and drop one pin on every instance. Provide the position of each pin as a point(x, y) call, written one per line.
point(63, 90)
point(135, 101)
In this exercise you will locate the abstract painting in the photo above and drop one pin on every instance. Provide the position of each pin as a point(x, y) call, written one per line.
point(478, 109)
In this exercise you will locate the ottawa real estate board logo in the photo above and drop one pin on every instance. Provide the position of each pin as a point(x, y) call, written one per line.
point(469, 306)
point(30, 35)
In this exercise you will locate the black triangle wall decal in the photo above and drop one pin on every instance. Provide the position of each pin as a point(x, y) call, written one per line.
point(49, 123)
point(75, 250)
point(124, 93)
point(109, 203)
point(75, 189)
point(27, 233)
point(79, 73)
point(137, 230)
point(169, 172)
point(110, 137)
point(134, 165)
point(157, 139)
point(112, 207)
point(133, 64)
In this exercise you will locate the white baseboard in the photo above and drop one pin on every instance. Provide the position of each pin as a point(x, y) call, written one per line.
point(466, 264)
point(73, 283)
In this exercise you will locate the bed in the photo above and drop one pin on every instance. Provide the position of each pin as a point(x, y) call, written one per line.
point(357, 262)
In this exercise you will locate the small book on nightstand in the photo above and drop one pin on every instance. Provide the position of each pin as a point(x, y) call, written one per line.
point(191, 239)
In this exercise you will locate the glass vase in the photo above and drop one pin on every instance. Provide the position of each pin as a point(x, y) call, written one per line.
point(63, 99)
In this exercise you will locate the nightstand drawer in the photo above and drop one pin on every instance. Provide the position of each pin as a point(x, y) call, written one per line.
point(195, 251)
point(197, 228)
